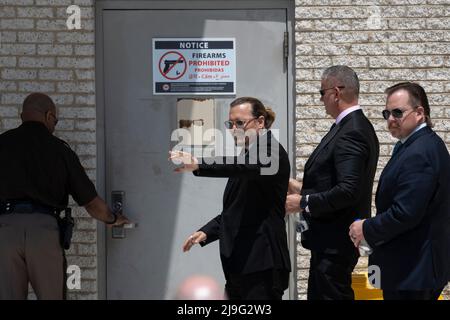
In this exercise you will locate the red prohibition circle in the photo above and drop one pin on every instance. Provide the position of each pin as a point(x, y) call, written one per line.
point(165, 74)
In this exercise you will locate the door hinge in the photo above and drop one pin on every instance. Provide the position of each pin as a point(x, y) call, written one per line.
point(286, 45)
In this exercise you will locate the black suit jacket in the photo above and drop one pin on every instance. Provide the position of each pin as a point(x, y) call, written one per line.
point(410, 234)
point(338, 178)
point(251, 227)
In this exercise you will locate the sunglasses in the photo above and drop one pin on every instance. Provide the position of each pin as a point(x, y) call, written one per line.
point(322, 91)
point(240, 124)
point(396, 113)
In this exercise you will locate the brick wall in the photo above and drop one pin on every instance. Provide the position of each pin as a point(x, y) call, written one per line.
point(385, 41)
point(39, 53)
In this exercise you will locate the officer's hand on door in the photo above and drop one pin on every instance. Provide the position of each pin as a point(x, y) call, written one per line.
point(195, 238)
point(189, 162)
point(121, 220)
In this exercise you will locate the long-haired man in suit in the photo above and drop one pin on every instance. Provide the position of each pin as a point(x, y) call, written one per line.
point(251, 228)
point(410, 234)
point(337, 187)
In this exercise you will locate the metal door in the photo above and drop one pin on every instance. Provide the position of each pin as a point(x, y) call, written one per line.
point(136, 127)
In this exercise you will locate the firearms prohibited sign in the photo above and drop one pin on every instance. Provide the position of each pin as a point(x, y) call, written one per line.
point(194, 66)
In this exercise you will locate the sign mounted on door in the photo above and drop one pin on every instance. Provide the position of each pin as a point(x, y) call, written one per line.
point(196, 66)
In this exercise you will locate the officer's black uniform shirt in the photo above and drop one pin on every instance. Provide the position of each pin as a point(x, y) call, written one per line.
point(37, 166)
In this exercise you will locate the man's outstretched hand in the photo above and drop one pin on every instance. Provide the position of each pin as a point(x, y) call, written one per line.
point(189, 163)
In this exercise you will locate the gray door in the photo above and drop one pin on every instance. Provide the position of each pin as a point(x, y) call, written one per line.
point(149, 262)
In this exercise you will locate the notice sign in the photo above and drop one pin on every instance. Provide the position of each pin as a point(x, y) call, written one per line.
point(194, 66)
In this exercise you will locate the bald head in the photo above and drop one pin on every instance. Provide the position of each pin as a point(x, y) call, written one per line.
point(199, 288)
point(41, 108)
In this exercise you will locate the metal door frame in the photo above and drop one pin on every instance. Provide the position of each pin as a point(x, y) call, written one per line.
point(100, 6)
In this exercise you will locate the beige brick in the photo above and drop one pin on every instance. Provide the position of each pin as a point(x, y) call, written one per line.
point(84, 237)
point(16, 2)
point(54, 2)
point(84, 50)
point(351, 61)
point(304, 150)
point(62, 99)
point(17, 49)
point(438, 23)
point(88, 100)
point(78, 63)
point(8, 62)
point(313, 12)
point(27, 62)
point(55, 74)
point(83, 137)
point(84, 124)
point(75, 36)
point(89, 163)
point(304, 25)
point(17, 74)
point(76, 87)
point(85, 149)
point(313, 37)
point(54, 50)
point(40, 37)
point(331, 49)
point(369, 49)
point(85, 74)
point(8, 86)
point(16, 24)
point(51, 25)
point(65, 125)
point(9, 112)
point(312, 62)
point(74, 112)
point(332, 24)
point(34, 12)
point(8, 124)
point(82, 261)
point(86, 224)
point(13, 98)
point(349, 37)
point(8, 37)
point(36, 86)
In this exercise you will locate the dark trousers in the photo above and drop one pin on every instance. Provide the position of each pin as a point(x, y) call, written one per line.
point(330, 276)
point(429, 294)
point(263, 285)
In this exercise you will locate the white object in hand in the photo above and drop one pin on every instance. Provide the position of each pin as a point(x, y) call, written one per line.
point(364, 249)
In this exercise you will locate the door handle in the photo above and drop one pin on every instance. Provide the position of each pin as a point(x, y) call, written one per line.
point(118, 198)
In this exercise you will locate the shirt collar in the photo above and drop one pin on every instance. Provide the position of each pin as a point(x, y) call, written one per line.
point(423, 125)
point(346, 112)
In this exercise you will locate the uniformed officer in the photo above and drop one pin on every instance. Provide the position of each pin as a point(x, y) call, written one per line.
point(37, 173)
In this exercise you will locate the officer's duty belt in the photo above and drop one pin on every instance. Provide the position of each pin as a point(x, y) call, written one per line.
point(27, 207)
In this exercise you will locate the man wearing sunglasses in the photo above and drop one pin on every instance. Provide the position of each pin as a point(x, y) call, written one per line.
point(337, 187)
point(251, 227)
point(410, 234)
point(38, 171)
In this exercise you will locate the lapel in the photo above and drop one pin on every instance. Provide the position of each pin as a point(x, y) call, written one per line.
point(328, 137)
point(325, 140)
point(392, 160)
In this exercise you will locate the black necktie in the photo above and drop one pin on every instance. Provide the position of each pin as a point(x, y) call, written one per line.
point(397, 147)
